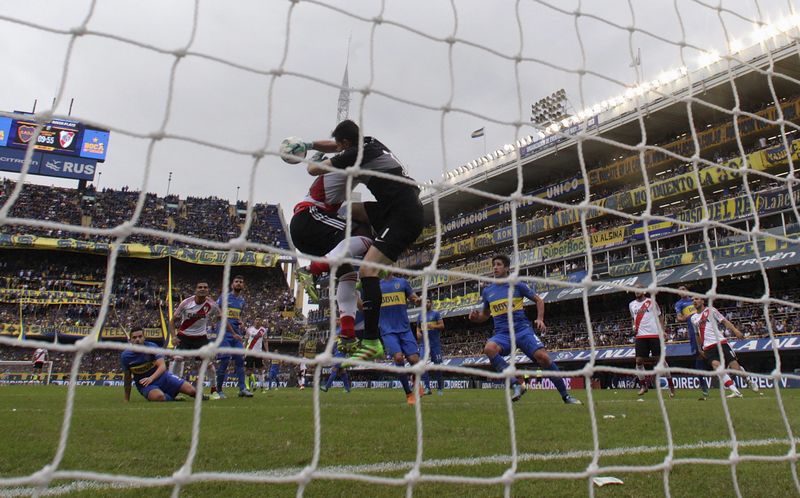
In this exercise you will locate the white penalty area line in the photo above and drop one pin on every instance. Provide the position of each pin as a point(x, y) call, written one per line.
point(384, 467)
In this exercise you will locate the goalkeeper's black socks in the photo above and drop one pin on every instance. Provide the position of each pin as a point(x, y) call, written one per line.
point(371, 287)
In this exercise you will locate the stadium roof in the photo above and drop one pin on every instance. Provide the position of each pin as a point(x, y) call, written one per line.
point(664, 117)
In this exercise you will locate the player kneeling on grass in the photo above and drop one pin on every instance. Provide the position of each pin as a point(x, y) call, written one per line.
point(713, 344)
point(149, 372)
point(495, 305)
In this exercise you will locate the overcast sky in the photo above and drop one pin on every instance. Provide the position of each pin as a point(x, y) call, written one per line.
point(125, 87)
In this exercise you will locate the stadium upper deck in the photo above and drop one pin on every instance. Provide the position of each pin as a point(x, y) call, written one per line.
point(664, 117)
point(551, 242)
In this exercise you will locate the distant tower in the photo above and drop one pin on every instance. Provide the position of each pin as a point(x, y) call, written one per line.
point(343, 110)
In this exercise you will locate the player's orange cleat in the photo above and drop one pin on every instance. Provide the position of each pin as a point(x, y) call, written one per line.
point(410, 399)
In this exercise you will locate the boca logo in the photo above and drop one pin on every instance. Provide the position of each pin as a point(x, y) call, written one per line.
point(25, 133)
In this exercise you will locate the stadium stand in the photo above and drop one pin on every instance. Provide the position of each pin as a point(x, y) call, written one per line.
point(210, 218)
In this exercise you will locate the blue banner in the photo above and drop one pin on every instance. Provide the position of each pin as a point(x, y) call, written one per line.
point(12, 160)
point(5, 130)
point(44, 164)
point(94, 144)
point(784, 343)
point(67, 167)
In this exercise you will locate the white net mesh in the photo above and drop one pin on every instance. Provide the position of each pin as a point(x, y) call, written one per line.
point(391, 36)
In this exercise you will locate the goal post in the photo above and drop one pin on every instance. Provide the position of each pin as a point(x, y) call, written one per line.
point(24, 372)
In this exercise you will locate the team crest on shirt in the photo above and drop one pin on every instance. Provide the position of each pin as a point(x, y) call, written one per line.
point(397, 285)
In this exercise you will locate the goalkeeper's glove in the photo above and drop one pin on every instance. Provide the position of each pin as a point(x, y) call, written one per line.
point(318, 157)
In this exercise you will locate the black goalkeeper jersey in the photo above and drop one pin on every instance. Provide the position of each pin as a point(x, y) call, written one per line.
point(378, 157)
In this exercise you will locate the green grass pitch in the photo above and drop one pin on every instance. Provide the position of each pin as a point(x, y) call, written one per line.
point(466, 433)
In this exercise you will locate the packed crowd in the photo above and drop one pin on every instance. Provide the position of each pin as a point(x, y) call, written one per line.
point(614, 328)
point(209, 218)
point(138, 293)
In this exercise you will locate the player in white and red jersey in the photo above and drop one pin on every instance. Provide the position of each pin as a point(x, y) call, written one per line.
point(648, 324)
point(39, 359)
point(255, 340)
point(714, 345)
point(317, 229)
point(189, 327)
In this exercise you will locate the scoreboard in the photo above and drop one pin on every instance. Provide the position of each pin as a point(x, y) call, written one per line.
point(63, 148)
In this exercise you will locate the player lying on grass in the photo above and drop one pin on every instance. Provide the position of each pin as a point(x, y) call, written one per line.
point(149, 373)
point(495, 305)
point(715, 349)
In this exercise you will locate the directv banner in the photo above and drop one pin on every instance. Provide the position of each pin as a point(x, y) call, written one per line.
point(47, 164)
point(783, 343)
point(692, 382)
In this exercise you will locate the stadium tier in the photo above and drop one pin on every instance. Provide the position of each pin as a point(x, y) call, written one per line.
point(209, 218)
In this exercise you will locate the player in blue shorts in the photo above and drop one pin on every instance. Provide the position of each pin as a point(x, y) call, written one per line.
point(337, 370)
point(233, 338)
point(684, 309)
point(435, 328)
point(272, 376)
point(398, 340)
point(495, 305)
point(149, 373)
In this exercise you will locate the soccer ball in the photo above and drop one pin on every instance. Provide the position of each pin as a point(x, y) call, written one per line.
point(293, 150)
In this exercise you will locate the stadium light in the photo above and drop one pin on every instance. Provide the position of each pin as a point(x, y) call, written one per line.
point(549, 109)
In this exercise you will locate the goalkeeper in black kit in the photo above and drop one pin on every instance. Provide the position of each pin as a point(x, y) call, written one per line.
point(396, 216)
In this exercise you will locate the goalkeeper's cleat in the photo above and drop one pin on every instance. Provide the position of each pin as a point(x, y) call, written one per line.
point(307, 280)
point(519, 392)
point(244, 393)
point(215, 396)
point(323, 388)
point(367, 350)
point(569, 400)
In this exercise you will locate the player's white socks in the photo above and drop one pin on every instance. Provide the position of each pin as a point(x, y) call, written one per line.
point(261, 380)
point(346, 294)
point(640, 373)
point(354, 247)
point(728, 382)
point(176, 367)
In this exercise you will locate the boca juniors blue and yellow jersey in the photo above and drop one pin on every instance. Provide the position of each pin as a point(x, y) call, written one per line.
point(235, 308)
point(434, 335)
point(141, 365)
point(495, 300)
point(394, 311)
point(685, 307)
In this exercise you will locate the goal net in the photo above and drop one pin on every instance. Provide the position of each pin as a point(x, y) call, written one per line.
point(608, 150)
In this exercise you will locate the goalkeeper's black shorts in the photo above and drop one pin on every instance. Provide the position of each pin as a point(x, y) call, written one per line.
point(396, 224)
